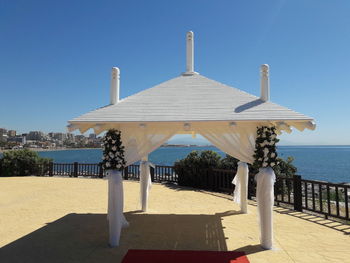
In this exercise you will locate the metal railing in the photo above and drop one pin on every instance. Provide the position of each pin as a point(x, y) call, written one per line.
point(328, 199)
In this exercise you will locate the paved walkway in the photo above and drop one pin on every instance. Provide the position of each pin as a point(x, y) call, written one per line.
point(63, 220)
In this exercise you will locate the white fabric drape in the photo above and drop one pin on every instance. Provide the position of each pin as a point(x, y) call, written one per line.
point(265, 197)
point(241, 186)
point(115, 215)
point(140, 141)
point(145, 184)
point(238, 141)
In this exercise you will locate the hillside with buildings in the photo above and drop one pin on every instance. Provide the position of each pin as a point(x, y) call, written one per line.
point(10, 139)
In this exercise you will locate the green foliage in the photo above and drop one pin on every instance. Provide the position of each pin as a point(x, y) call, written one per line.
point(265, 147)
point(197, 163)
point(23, 163)
point(229, 163)
point(194, 165)
point(113, 152)
point(285, 168)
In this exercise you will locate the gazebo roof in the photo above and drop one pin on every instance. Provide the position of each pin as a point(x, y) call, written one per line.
point(190, 99)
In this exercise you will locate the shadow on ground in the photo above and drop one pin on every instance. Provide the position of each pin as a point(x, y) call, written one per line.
point(176, 187)
point(317, 219)
point(313, 218)
point(83, 237)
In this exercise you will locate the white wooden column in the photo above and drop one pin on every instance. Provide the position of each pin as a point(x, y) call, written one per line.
point(145, 182)
point(116, 219)
point(265, 198)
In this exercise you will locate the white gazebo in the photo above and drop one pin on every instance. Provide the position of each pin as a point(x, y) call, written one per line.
point(191, 104)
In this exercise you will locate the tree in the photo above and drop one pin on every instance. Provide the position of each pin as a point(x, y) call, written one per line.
point(23, 163)
point(229, 163)
point(192, 167)
point(285, 168)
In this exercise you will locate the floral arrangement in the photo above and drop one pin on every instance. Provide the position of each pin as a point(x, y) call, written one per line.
point(113, 152)
point(265, 147)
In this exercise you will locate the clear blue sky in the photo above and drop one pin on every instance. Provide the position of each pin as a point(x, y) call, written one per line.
point(56, 56)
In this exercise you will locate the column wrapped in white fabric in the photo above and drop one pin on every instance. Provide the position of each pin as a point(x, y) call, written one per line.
point(265, 197)
point(145, 184)
point(241, 186)
point(115, 215)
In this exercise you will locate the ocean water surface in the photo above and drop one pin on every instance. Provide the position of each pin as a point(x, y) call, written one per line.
point(326, 163)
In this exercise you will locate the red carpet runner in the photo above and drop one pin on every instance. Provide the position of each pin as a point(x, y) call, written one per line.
point(184, 256)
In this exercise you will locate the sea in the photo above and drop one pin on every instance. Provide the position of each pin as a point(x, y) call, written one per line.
point(325, 163)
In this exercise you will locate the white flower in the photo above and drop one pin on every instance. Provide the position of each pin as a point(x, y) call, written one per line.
point(108, 164)
point(109, 138)
point(113, 141)
point(260, 159)
point(272, 164)
point(264, 164)
point(273, 155)
point(111, 155)
point(266, 151)
point(114, 148)
point(266, 159)
point(273, 136)
point(118, 166)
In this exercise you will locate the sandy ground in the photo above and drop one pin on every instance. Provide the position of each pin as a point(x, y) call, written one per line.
point(56, 219)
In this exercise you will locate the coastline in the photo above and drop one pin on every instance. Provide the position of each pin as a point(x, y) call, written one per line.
point(51, 149)
point(68, 149)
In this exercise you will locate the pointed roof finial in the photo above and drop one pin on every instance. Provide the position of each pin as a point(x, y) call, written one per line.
point(264, 83)
point(189, 54)
point(114, 91)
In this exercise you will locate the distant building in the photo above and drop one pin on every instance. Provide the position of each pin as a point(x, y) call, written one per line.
point(92, 136)
point(81, 139)
point(3, 135)
point(11, 133)
point(35, 136)
point(3, 131)
point(70, 137)
point(3, 138)
point(59, 136)
point(20, 139)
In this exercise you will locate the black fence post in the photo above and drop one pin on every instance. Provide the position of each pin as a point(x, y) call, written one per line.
point(51, 169)
point(100, 171)
point(151, 169)
point(298, 198)
point(126, 173)
point(75, 169)
point(211, 185)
